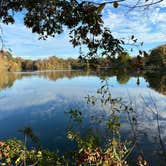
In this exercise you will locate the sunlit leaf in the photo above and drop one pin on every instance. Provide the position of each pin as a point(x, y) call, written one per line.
point(100, 7)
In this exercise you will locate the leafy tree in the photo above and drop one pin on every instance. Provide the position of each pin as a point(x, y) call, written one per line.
point(157, 57)
point(83, 18)
point(124, 58)
point(27, 65)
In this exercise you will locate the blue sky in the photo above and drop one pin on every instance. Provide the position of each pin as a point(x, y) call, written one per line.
point(148, 26)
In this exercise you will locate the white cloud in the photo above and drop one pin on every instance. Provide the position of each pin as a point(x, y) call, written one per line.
point(147, 27)
point(26, 44)
point(162, 4)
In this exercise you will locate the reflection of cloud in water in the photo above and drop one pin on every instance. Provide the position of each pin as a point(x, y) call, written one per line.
point(48, 98)
point(146, 119)
point(36, 91)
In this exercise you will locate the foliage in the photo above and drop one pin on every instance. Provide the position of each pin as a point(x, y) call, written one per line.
point(124, 58)
point(157, 57)
point(13, 152)
point(8, 63)
point(141, 161)
point(90, 144)
point(52, 158)
point(114, 106)
point(48, 18)
point(82, 18)
point(123, 62)
point(75, 115)
point(89, 152)
point(99, 156)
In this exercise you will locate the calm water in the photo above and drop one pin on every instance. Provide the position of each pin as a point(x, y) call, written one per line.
point(40, 99)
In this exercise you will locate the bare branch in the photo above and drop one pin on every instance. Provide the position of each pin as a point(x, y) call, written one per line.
point(1, 38)
point(137, 4)
point(110, 2)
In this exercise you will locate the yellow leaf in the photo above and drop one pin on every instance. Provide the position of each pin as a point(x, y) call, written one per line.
point(114, 142)
point(106, 163)
point(100, 7)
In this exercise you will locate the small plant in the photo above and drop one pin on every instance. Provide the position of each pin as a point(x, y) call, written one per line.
point(112, 151)
point(141, 161)
point(12, 152)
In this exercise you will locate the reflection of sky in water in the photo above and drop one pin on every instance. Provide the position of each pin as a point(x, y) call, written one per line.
point(41, 103)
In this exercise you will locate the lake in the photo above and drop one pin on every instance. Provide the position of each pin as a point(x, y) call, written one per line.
point(40, 100)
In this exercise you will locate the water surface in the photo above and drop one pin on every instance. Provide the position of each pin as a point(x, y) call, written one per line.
point(40, 100)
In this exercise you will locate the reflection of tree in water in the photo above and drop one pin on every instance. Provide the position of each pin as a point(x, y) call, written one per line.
point(7, 79)
point(122, 77)
point(157, 81)
point(55, 75)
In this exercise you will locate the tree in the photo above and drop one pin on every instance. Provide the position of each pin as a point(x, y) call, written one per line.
point(83, 18)
point(124, 58)
point(157, 57)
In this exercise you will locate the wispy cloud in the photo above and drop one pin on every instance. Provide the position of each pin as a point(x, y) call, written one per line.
point(146, 27)
point(24, 43)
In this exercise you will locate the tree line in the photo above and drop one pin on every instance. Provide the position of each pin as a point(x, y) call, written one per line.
point(156, 59)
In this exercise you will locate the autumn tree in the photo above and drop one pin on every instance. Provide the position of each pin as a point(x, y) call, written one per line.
point(157, 57)
point(124, 58)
